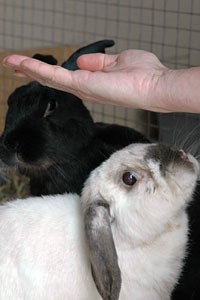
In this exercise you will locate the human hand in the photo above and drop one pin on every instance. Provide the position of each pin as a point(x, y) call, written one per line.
point(133, 78)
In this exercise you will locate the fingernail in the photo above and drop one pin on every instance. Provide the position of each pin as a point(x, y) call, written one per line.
point(6, 62)
point(9, 61)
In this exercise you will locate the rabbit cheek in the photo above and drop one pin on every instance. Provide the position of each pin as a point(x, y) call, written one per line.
point(31, 149)
point(29, 154)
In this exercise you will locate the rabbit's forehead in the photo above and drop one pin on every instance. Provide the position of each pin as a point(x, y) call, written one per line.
point(129, 158)
point(154, 160)
point(30, 94)
point(130, 154)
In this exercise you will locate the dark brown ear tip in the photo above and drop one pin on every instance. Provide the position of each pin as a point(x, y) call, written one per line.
point(96, 47)
point(110, 286)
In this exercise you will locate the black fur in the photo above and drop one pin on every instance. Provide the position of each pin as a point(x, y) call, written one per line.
point(49, 59)
point(188, 287)
point(99, 46)
point(50, 136)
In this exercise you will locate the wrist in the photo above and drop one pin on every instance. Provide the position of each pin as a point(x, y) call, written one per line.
point(159, 97)
point(179, 90)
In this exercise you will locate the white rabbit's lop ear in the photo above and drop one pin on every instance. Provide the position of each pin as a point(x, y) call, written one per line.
point(102, 252)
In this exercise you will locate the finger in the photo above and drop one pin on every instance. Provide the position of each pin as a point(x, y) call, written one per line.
point(13, 60)
point(28, 66)
point(96, 62)
point(51, 75)
point(20, 74)
point(16, 63)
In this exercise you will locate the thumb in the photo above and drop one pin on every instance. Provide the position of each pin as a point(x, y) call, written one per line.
point(96, 61)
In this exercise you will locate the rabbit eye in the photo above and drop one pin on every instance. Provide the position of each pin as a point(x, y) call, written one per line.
point(129, 178)
point(51, 106)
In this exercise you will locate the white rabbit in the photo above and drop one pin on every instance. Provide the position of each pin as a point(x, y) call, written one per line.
point(133, 210)
point(136, 223)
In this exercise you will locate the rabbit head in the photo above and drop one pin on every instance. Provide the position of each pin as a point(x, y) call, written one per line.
point(130, 200)
point(45, 128)
point(40, 122)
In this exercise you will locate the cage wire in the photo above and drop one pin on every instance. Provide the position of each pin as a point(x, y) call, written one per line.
point(168, 28)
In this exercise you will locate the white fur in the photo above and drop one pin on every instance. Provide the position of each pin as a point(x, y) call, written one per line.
point(42, 250)
point(43, 253)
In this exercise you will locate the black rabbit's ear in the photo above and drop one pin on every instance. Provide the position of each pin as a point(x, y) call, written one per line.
point(24, 91)
point(102, 252)
point(49, 59)
point(97, 47)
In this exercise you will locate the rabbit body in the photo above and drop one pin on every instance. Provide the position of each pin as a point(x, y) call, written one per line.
point(134, 239)
point(43, 253)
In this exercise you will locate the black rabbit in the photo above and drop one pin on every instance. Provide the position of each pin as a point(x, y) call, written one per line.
point(50, 136)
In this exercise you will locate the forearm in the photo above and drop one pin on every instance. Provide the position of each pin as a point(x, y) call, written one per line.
point(179, 90)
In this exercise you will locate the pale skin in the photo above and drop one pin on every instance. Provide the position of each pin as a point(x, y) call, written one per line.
point(132, 78)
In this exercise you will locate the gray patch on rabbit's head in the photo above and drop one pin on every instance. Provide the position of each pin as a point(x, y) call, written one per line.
point(165, 155)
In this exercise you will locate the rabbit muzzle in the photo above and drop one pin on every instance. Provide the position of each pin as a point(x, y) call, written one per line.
point(12, 157)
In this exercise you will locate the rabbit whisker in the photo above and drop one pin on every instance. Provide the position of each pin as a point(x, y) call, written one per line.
point(59, 170)
point(53, 178)
point(192, 138)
